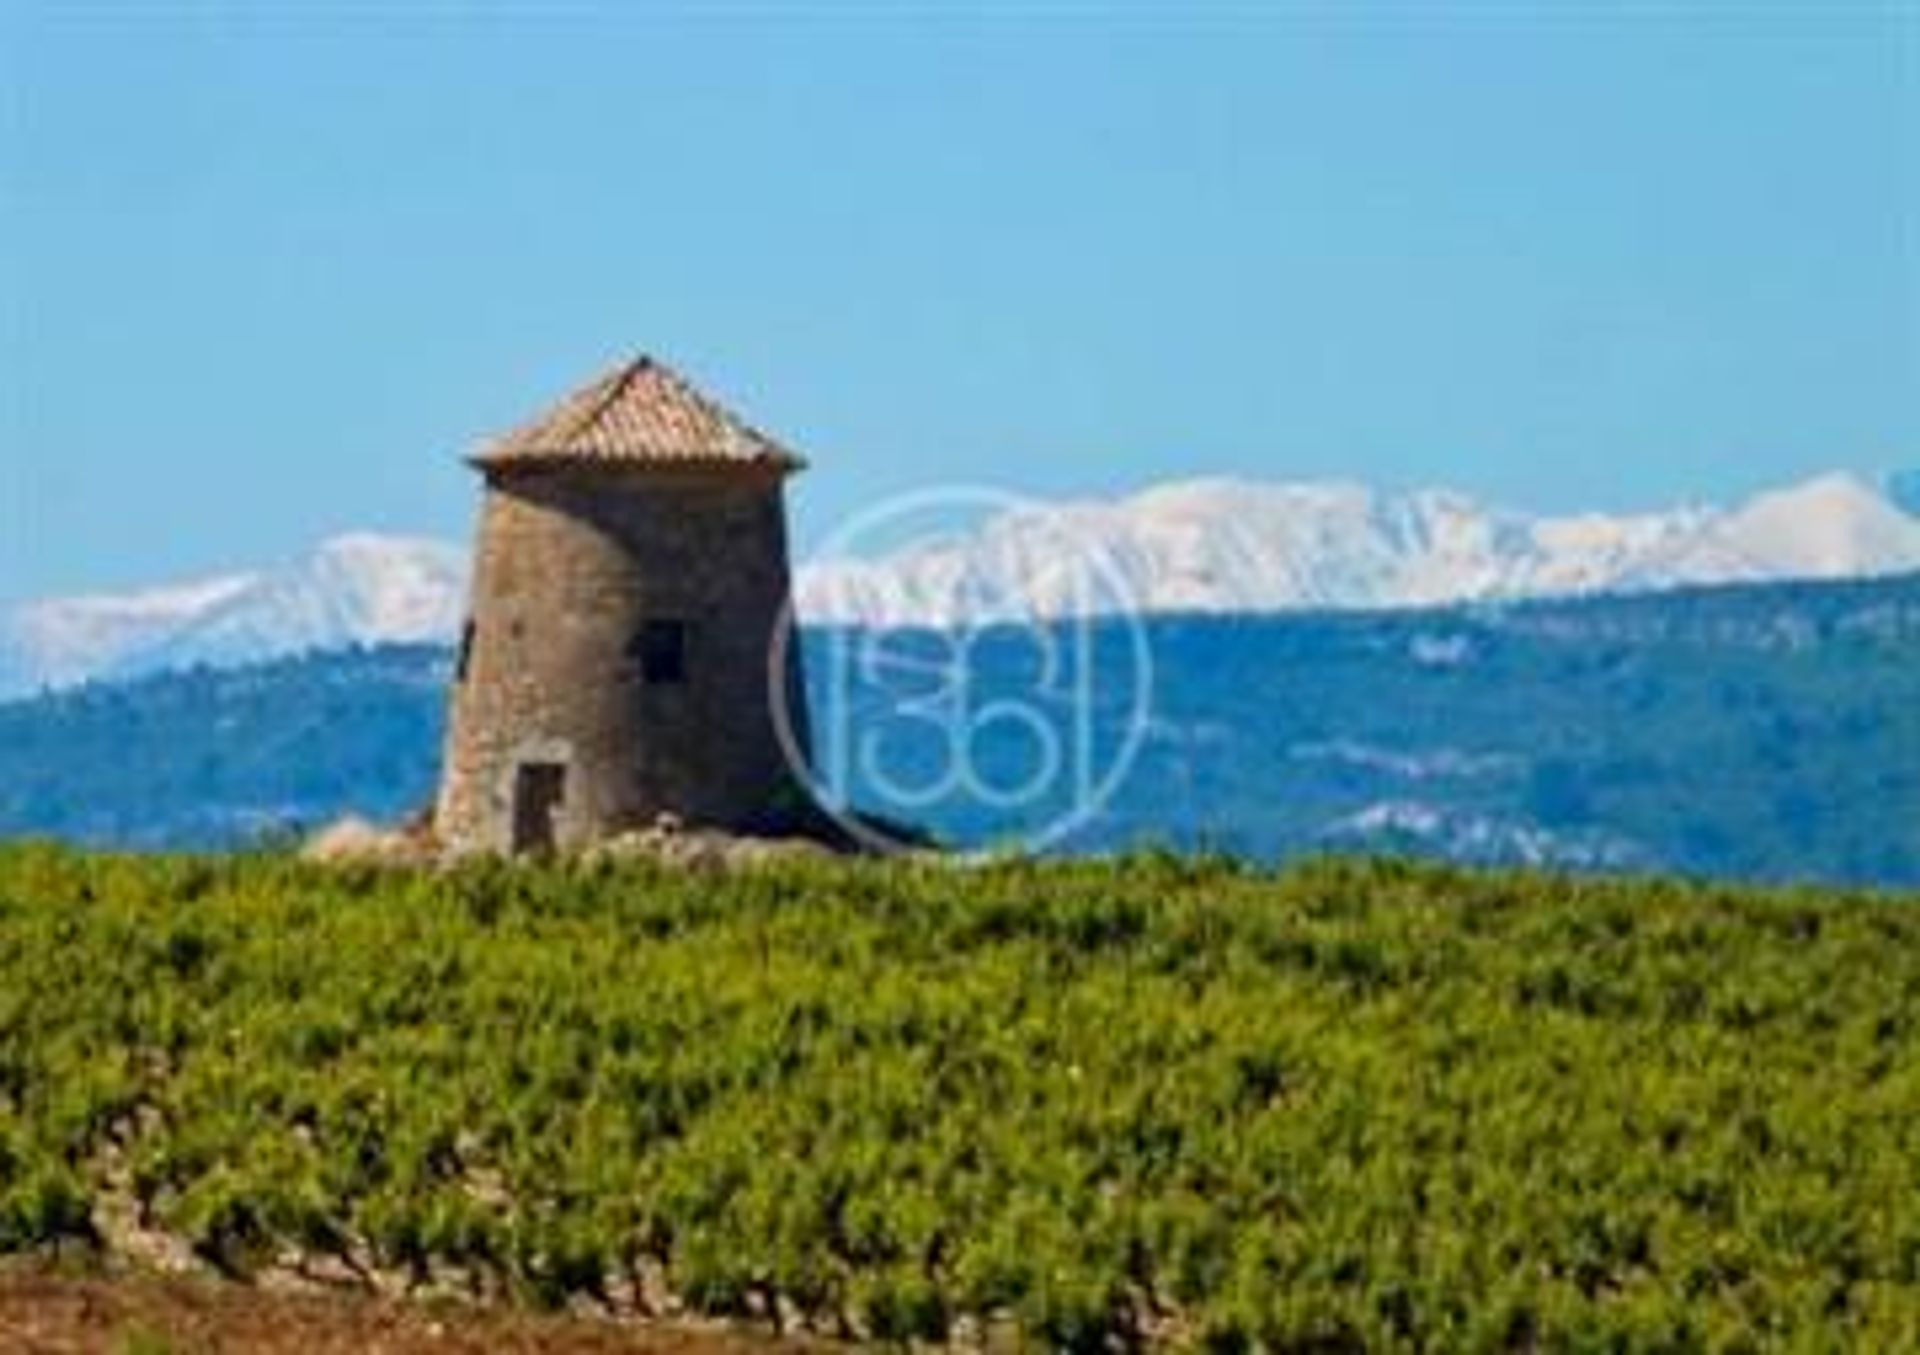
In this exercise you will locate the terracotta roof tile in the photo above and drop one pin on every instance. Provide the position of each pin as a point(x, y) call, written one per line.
point(640, 413)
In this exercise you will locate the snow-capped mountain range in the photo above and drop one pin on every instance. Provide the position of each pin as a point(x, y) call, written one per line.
point(1228, 545)
point(1210, 545)
point(353, 589)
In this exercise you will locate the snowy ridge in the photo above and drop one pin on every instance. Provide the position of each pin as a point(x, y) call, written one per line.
point(354, 589)
point(1210, 545)
point(1226, 546)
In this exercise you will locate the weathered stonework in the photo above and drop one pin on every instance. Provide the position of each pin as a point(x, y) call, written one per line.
point(581, 559)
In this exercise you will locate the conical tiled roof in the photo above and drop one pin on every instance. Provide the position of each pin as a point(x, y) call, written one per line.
point(642, 413)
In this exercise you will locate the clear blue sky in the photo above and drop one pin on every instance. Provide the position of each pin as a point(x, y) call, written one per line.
point(265, 278)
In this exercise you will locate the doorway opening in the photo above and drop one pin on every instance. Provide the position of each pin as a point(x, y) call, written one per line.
point(539, 789)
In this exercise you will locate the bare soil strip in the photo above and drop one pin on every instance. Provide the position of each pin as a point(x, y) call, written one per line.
point(45, 1312)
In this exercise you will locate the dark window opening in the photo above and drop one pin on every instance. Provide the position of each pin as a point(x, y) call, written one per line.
point(660, 648)
point(465, 661)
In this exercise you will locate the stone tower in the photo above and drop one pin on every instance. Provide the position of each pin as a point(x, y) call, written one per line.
point(619, 660)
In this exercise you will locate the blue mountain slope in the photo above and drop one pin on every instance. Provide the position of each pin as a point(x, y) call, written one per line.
point(1758, 732)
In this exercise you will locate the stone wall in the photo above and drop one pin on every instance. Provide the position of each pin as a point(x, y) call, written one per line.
point(571, 562)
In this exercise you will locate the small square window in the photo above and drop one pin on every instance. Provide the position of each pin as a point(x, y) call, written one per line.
point(660, 648)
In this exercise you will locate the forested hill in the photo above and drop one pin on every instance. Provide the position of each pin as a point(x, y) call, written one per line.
point(1758, 732)
point(217, 757)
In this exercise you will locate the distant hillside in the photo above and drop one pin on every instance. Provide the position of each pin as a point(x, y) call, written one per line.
point(1765, 732)
point(219, 757)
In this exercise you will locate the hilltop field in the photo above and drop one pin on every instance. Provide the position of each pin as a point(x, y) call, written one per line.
point(1345, 1106)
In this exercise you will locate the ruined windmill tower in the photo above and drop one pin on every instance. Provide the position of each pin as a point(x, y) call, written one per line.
point(630, 577)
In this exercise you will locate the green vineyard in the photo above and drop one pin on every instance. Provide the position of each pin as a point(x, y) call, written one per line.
point(1346, 1106)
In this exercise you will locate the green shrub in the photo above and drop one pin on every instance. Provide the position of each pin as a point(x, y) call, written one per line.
point(1347, 1106)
